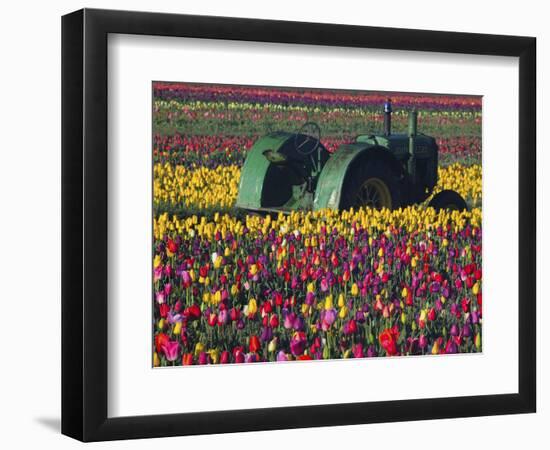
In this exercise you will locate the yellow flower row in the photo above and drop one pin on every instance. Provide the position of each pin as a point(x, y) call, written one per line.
point(208, 107)
point(311, 223)
point(204, 188)
point(466, 180)
point(201, 188)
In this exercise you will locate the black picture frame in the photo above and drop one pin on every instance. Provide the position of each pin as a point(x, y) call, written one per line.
point(84, 224)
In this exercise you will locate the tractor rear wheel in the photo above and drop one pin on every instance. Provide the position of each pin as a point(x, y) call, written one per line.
point(371, 184)
point(448, 199)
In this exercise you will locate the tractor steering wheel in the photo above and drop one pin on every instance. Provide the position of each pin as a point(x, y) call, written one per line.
point(309, 133)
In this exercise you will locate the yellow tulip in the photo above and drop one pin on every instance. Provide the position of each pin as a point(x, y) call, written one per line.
point(343, 312)
point(477, 341)
point(272, 346)
point(354, 289)
point(252, 306)
point(328, 302)
point(214, 354)
point(199, 347)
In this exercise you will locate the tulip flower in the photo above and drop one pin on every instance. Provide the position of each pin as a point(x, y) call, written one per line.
point(225, 357)
point(388, 340)
point(161, 340)
point(187, 359)
point(254, 344)
point(298, 343)
point(171, 350)
point(252, 307)
point(477, 341)
point(281, 356)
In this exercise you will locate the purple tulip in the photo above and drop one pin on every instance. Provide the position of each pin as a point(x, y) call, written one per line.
point(281, 356)
point(266, 334)
point(223, 317)
point(186, 278)
point(298, 323)
point(288, 323)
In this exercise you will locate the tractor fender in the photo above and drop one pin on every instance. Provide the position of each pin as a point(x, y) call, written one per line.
point(329, 188)
point(255, 168)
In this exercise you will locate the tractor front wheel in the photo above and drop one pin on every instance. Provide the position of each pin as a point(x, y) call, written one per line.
point(447, 199)
point(372, 185)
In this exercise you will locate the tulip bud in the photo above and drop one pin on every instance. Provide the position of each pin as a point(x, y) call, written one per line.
point(328, 302)
point(225, 357)
point(203, 358)
point(343, 312)
point(199, 347)
point(477, 341)
point(187, 359)
point(272, 346)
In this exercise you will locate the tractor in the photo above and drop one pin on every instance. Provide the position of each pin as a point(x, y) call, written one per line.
point(287, 171)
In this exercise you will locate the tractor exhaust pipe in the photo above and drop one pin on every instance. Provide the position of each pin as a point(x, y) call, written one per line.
point(413, 126)
point(387, 117)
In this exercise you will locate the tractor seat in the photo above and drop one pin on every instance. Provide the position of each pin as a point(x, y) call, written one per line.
point(298, 172)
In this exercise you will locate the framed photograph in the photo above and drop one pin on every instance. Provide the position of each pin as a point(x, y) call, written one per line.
point(273, 225)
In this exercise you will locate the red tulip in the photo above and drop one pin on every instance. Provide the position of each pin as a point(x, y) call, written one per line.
point(274, 321)
point(193, 312)
point(187, 359)
point(225, 357)
point(161, 340)
point(163, 310)
point(172, 246)
point(388, 340)
point(254, 344)
point(212, 319)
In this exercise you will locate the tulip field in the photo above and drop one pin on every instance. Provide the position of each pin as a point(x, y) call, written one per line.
point(235, 287)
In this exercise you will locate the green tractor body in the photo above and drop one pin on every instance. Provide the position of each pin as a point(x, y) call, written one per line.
point(286, 171)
